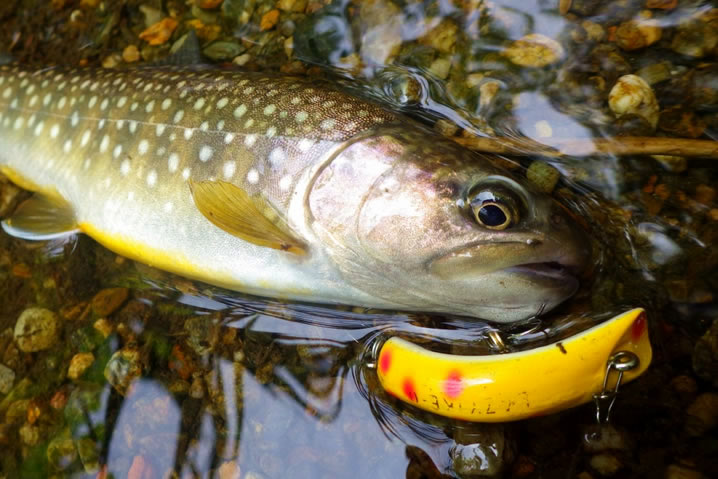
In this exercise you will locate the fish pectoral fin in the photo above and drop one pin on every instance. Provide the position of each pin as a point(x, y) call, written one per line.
point(42, 218)
point(250, 218)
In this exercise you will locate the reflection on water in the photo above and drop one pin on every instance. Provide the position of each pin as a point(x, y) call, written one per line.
point(165, 380)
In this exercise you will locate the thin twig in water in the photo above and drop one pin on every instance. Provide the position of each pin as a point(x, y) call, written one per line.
point(629, 145)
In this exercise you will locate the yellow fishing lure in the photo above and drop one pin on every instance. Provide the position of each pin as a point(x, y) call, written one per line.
point(513, 386)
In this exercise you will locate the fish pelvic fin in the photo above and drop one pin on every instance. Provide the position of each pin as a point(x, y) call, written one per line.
point(42, 218)
point(250, 218)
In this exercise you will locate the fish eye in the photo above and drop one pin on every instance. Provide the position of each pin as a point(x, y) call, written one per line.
point(493, 209)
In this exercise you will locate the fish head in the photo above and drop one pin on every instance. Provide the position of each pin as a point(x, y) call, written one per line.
point(427, 224)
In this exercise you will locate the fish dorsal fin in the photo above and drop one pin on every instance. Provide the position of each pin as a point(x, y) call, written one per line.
point(42, 218)
point(250, 218)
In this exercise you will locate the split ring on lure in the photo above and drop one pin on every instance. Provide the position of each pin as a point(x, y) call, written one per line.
point(513, 386)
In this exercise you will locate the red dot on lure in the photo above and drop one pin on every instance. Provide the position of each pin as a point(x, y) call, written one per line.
point(639, 326)
point(453, 384)
point(410, 390)
point(385, 361)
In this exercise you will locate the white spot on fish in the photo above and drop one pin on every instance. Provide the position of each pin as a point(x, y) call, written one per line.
point(151, 178)
point(205, 153)
point(168, 207)
point(270, 109)
point(61, 103)
point(222, 102)
point(130, 195)
point(305, 144)
point(122, 101)
point(47, 99)
point(150, 106)
point(178, 116)
point(143, 147)
point(133, 126)
point(7, 93)
point(229, 168)
point(104, 144)
point(328, 124)
point(249, 123)
point(188, 132)
point(161, 151)
point(253, 176)
point(39, 127)
point(86, 164)
point(301, 116)
point(75, 118)
point(220, 125)
point(271, 131)
point(240, 111)
point(277, 157)
point(173, 162)
point(125, 167)
point(186, 173)
point(67, 147)
point(55, 130)
point(285, 183)
point(160, 129)
point(199, 104)
point(19, 122)
point(249, 140)
point(105, 103)
point(85, 138)
point(228, 138)
point(117, 151)
point(166, 104)
point(33, 100)
point(92, 102)
point(134, 106)
point(204, 126)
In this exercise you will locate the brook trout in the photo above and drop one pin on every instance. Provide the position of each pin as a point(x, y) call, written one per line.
point(279, 187)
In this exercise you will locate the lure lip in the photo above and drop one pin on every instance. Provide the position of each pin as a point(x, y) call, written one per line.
point(514, 386)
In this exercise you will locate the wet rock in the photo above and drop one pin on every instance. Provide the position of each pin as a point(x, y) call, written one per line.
point(29, 435)
point(381, 32)
point(655, 73)
point(705, 355)
point(543, 176)
point(440, 68)
point(480, 452)
point(36, 329)
point(702, 414)
point(675, 164)
point(87, 450)
point(632, 95)
point(534, 50)
point(79, 364)
point(681, 122)
point(108, 301)
point(7, 378)
point(202, 333)
point(123, 368)
point(219, 51)
point(604, 437)
point(697, 37)
point(61, 452)
point(637, 34)
point(442, 37)
point(229, 470)
point(446, 127)
point(292, 5)
point(606, 464)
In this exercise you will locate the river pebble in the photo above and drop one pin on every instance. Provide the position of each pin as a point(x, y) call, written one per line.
point(122, 369)
point(632, 95)
point(79, 364)
point(7, 378)
point(36, 329)
point(109, 300)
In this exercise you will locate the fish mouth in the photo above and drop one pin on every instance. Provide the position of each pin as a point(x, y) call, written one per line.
point(545, 270)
